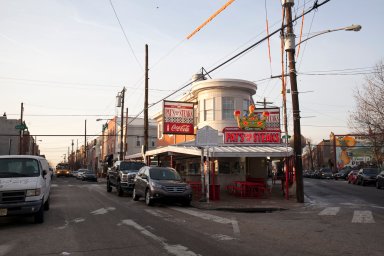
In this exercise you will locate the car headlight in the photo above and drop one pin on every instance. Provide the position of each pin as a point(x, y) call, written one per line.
point(156, 185)
point(33, 192)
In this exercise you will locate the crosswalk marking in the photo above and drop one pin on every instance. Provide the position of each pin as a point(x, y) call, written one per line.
point(362, 217)
point(330, 211)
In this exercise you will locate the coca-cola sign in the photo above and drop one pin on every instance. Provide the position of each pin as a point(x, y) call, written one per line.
point(178, 117)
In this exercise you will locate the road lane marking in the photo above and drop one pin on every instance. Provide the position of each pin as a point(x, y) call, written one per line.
point(330, 211)
point(176, 249)
point(165, 216)
point(211, 217)
point(362, 217)
point(103, 210)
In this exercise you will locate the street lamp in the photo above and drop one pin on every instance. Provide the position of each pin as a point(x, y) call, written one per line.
point(353, 27)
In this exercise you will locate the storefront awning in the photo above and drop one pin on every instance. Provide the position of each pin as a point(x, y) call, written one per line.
point(225, 151)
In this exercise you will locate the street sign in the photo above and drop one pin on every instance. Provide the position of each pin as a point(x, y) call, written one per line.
point(206, 136)
point(22, 126)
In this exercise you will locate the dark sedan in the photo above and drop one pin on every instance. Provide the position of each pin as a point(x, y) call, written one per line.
point(367, 176)
point(89, 176)
point(342, 174)
point(380, 180)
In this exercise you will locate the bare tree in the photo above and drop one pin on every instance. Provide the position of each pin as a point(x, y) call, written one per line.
point(368, 117)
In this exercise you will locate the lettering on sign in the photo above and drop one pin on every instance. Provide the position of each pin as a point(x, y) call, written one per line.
point(238, 136)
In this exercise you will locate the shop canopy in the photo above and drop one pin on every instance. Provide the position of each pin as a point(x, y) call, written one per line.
point(222, 151)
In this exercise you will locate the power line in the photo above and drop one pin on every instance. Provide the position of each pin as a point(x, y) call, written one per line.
point(125, 35)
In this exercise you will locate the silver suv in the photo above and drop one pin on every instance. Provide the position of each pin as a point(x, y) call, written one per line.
point(161, 183)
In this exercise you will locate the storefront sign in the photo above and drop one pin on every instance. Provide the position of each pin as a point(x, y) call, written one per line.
point(234, 135)
point(178, 117)
point(258, 119)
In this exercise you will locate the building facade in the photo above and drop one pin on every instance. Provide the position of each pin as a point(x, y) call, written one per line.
point(222, 149)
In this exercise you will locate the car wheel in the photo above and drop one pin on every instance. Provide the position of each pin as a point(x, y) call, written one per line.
point(120, 191)
point(39, 216)
point(148, 200)
point(109, 188)
point(47, 204)
point(135, 197)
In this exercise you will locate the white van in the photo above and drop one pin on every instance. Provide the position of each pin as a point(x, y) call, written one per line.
point(25, 183)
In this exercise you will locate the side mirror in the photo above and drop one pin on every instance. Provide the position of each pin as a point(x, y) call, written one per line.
point(44, 173)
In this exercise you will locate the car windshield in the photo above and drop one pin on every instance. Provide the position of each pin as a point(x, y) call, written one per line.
point(164, 174)
point(131, 166)
point(19, 167)
point(326, 170)
point(371, 171)
point(88, 172)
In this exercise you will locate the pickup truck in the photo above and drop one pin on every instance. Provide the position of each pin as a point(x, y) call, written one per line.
point(121, 176)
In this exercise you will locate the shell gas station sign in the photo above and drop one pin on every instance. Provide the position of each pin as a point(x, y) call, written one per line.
point(258, 126)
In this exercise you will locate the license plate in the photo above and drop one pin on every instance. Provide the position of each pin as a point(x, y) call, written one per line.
point(3, 212)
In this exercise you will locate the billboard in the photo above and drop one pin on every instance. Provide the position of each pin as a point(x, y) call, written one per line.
point(178, 117)
point(352, 150)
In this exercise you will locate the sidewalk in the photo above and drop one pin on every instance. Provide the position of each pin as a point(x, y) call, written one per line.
point(273, 202)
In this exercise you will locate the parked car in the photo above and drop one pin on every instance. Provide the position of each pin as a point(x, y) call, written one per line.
point(367, 176)
point(380, 180)
point(79, 173)
point(325, 173)
point(89, 175)
point(122, 175)
point(25, 183)
point(342, 174)
point(161, 183)
point(352, 176)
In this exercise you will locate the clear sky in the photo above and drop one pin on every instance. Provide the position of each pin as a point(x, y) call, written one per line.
point(66, 60)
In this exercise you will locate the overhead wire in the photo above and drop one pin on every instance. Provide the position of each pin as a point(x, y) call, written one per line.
point(238, 54)
point(125, 35)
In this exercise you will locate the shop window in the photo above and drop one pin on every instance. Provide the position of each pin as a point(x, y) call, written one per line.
point(209, 110)
point(245, 107)
point(194, 168)
point(138, 141)
point(160, 130)
point(224, 167)
point(228, 107)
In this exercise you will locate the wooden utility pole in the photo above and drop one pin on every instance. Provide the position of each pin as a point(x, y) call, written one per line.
point(126, 132)
point(146, 102)
point(122, 125)
point(290, 48)
point(85, 144)
point(21, 130)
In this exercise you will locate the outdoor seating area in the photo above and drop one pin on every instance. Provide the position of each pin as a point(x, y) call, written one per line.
point(253, 188)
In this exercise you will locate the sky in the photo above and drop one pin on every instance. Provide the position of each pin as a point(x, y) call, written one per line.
point(66, 60)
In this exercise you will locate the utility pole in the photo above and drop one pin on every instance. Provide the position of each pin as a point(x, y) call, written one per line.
point(146, 102)
point(85, 144)
point(126, 133)
point(290, 48)
point(264, 102)
point(21, 130)
point(121, 124)
point(310, 153)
